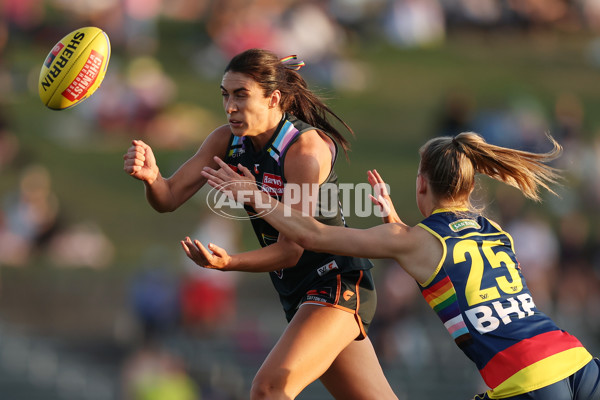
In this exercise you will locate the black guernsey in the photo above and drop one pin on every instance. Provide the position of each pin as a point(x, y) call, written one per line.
point(267, 165)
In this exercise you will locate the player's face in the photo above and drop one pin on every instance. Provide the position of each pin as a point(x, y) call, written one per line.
point(246, 106)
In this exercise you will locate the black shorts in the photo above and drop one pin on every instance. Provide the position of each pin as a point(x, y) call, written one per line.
point(352, 291)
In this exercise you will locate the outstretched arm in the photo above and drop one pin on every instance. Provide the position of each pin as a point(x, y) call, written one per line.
point(305, 230)
point(415, 249)
point(308, 162)
point(167, 194)
point(266, 259)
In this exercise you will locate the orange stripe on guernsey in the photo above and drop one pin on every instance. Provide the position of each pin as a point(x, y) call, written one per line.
point(533, 354)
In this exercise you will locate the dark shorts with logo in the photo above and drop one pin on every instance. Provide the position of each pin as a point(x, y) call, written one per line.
point(352, 291)
point(582, 385)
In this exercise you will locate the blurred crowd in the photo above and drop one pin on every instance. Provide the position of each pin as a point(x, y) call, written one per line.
point(556, 243)
point(32, 221)
point(139, 96)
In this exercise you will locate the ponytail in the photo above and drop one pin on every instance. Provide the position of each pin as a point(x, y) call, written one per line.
point(450, 165)
point(298, 100)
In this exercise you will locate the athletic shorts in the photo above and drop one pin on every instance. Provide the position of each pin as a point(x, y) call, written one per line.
point(352, 291)
point(582, 385)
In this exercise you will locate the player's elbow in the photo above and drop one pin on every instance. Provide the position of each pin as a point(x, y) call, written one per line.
point(162, 209)
point(293, 255)
point(289, 252)
point(163, 205)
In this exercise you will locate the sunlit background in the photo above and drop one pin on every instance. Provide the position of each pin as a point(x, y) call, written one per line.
point(97, 300)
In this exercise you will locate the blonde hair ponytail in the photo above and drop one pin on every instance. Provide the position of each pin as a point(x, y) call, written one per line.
point(451, 163)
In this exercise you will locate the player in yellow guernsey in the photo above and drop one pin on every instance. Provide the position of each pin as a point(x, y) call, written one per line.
point(464, 263)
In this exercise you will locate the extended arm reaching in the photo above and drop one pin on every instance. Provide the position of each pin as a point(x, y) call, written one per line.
point(305, 230)
point(167, 194)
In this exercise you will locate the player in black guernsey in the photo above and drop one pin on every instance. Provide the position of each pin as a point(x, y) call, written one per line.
point(267, 165)
point(280, 131)
point(464, 263)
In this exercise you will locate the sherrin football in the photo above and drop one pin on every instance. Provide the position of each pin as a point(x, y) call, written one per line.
point(74, 68)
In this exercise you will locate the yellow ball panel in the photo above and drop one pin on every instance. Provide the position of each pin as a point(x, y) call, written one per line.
point(74, 68)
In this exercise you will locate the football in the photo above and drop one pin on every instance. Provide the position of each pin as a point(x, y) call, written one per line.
point(74, 68)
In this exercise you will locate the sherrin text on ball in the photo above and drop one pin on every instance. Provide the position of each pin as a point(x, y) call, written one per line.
point(74, 68)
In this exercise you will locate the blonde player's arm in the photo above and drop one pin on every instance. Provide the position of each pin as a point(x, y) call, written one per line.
point(413, 248)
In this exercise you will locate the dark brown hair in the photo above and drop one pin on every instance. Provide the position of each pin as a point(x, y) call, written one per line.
point(450, 165)
point(271, 74)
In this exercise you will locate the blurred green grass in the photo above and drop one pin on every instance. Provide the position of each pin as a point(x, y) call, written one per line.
point(392, 117)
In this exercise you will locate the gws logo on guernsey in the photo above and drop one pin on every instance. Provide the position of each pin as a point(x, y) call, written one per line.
point(330, 266)
point(221, 202)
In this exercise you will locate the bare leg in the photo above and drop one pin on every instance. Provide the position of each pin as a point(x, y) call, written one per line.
point(357, 375)
point(312, 341)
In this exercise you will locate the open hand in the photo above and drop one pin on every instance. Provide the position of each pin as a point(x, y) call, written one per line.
point(228, 181)
point(382, 197)
point(216, 258)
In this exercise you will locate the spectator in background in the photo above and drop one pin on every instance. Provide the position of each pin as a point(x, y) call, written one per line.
point(9, 142)
point(415, 23)
point(579, 286)
point(237, 25)
point(208, 297)
point(154, 296)
point(397, 335)
point(81, 244)
point(456, 113)
point(133, 98)
point(29, 216)
point(151, 372)
point(537, 247)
